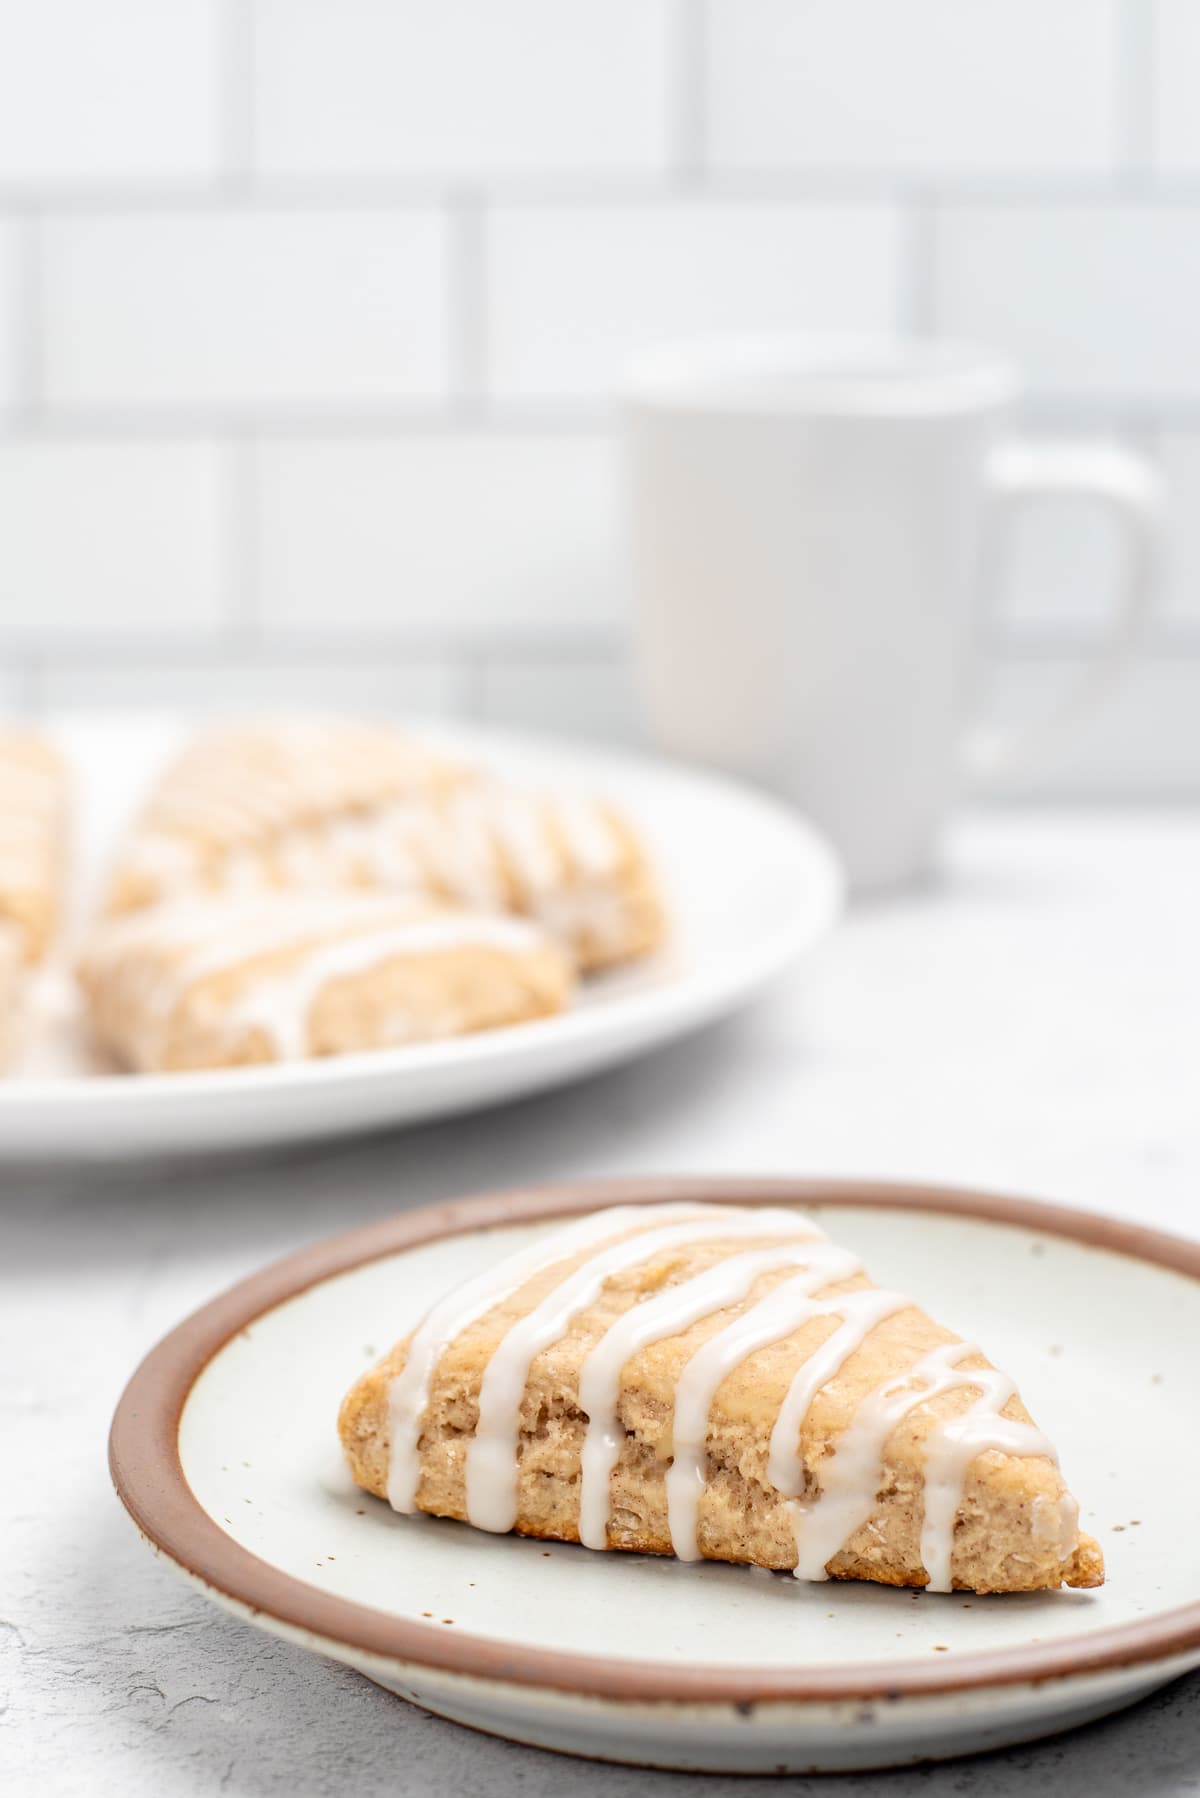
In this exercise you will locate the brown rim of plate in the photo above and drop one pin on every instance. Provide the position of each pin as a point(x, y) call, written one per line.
point(150, 1481)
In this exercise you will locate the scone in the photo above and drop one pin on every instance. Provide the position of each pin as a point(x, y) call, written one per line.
point(303, 802)
point(272, 802)
point(34, 792)
point(717, 1382)
point(226, 981)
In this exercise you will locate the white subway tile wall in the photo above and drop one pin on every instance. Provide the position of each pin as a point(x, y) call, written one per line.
point(412, 87)
point(574, 291)
point(924, 87)
point(1095, 299)
point(310, 312)
point(112, 543)
point(94, 92)
point(244, 311)
point(454, 537)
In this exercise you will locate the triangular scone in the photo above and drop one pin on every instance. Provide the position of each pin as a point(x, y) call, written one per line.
point(717, 1382)
point(261, 803)
point(221, 982)
point(302, 802)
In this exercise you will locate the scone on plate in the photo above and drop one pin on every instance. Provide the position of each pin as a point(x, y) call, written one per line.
point(34, 800)
point(270, 802)
point(300, 802)
point(717, 1382)
point(227, 981)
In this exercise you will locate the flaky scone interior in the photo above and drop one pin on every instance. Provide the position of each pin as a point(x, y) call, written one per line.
point(717, 1382)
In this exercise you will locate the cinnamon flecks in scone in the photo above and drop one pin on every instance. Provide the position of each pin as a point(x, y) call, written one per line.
point(221, 982)
point(298, 802)
point(717, 1382)
point(34, 806)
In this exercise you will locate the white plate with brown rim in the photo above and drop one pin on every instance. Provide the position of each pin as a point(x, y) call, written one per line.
point(751, 888)
point(224, 1452)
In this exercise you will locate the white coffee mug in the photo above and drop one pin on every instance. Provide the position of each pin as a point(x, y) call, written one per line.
point(812, 529)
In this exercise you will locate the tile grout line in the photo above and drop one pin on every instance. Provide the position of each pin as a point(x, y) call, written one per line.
point(686, 96)
point(831, 186)
point(1133, 74)
point(235, 122)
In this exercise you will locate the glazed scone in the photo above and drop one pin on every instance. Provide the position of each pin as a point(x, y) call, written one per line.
point(574, 863)
point(717, 1382)
point(266, 803)
point(297, 803)
point(227, 981)
point(34, 798)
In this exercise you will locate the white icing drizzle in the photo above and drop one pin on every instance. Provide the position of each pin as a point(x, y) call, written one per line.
point(666, 1314)
point(236, 782)
point(781, 1312)
point(215, 934)
point(589, 835)
point(860, 1312)
point(850, 1478)
point(949, 1452)
point(279, 1004)
point(518, 825)
point(491, 1474)
point(310, 802)
point(153, 958)
point(408, 1393)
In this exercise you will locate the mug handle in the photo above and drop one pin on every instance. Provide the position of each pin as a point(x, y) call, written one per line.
point(1130, 490)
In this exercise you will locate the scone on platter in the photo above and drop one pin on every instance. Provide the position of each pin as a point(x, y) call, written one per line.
point(34, 802)
point(297, 803)
point(717, 1382)
point(230, 980)
point(265, 803)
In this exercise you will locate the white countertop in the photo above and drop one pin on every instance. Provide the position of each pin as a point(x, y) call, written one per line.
point(1032, 1023)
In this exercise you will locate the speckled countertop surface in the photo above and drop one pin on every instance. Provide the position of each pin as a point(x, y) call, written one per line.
point(1031, 1023)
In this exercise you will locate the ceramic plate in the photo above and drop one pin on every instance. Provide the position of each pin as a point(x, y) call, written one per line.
point(224, 1451)
point(751, 888)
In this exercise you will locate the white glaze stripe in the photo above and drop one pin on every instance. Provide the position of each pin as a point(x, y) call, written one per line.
point(667, 1314)
point(491, 1473)
point(243, 789)
point(408, 1393)
point(850, 1478)
point(280, 1004)
point(781, 1312)
point(949, 1452)
point(860, 1313)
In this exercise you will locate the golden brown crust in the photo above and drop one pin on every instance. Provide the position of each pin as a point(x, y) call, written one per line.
point(1014, 1530)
